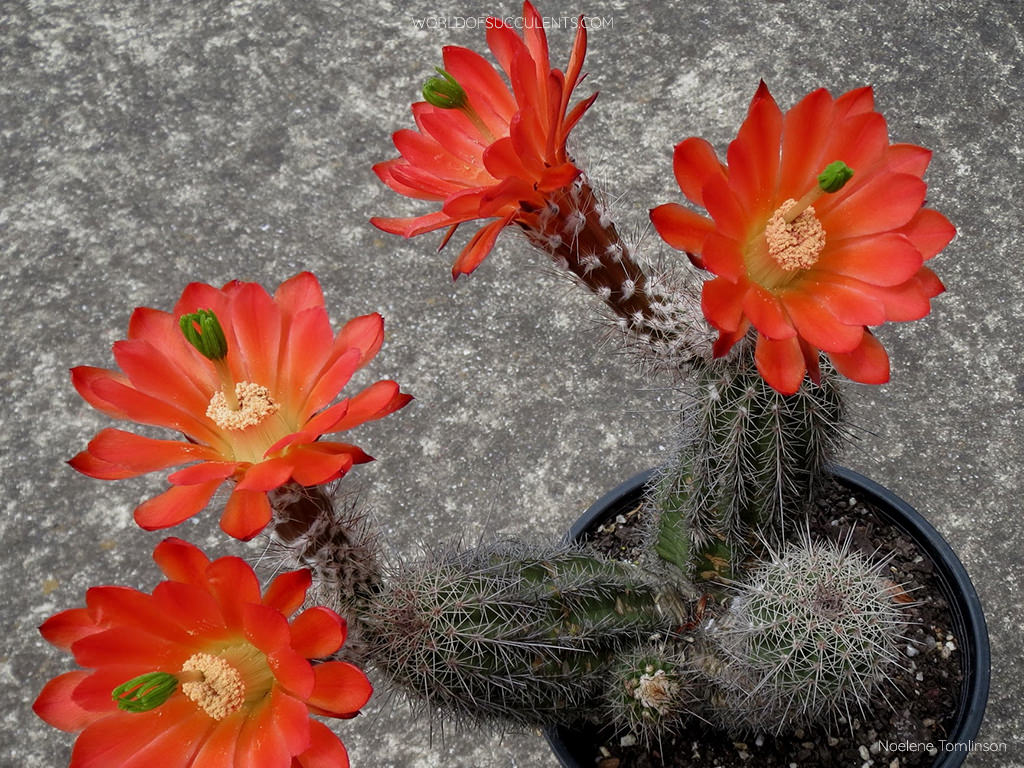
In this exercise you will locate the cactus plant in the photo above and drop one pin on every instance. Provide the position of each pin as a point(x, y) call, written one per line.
point(511, 633)
point(653, 691)
point(748, 460)
point(810, 634)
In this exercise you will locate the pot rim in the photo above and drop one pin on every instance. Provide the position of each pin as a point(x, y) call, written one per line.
point(968, 618)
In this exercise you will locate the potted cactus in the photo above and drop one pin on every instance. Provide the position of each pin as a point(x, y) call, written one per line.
point(814, 230)
point(729, 613)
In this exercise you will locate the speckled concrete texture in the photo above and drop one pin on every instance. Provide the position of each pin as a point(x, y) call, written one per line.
point(144, 145)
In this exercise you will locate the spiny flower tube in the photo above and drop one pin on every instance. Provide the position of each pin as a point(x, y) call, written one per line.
point(485, 150)
point(808, 260)
point(204, 672)
point(249, 380)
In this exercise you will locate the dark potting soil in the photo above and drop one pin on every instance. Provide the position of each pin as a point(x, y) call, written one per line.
point(916, 711)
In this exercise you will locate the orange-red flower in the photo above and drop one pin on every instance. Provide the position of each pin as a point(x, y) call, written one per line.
point(285, 367)
point(242, 684)
point(502, 153)
point(852, 259)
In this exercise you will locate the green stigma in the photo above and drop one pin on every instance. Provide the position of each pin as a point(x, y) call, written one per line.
point(444, 92)
point(835, 176)
point(145, 692)
point(202, 330)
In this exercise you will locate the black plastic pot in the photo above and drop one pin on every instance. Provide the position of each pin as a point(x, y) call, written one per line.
point(968, 620)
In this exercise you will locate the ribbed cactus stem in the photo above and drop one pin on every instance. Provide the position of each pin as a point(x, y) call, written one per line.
point(749, 460)
point(509, 633)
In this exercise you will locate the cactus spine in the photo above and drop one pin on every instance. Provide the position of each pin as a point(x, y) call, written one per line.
point(509, 633)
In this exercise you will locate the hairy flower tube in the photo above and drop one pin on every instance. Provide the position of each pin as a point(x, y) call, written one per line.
point(487, 151)
point(204, 672)
point(801, 249)
point(250, 381)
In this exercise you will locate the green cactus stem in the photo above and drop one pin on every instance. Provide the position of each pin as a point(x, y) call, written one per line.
point(749, 460)
point(509, 633)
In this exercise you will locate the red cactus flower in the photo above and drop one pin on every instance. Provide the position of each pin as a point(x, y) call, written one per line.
point(203, 672)
point(486, 151)
point(808, 277)
point(252, 411)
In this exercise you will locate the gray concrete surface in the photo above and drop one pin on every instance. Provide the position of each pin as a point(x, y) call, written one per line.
point(144, 145)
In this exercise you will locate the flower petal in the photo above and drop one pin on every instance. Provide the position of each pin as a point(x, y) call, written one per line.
point(766, 313)
point(181, 561)
point(680, 227)
point(887, 201)
point(885, 259)
point(818, 326)
point(145, 454)
point(172, 506)
point(695, 163)
point(287, 591)
point(325, 749)
point(56, 706)
point(929, 231)
point(66, 627)
point(341, 689)
point(375, 402)
point(868, 363)
point(318, 632)
point(781, 363)
point(246, 514)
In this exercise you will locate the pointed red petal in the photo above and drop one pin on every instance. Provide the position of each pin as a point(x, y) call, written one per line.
point(680, 227)
point(145, 454)
point(766, 313)
point(780, 363)
point(365, 333)
point(929, 231)
point(55, 705)
point(818, 326)
point(868, 363)
point(246, 514)
point(325, 749)
point(695, 163)
point(805, 131)
point(341, 689)
point(753, 156)
point(287, 591)
point(172, 506)
point(204, 472)
point(375, 402)
point(722, 303)
point(66, 627)
point(181, 561)
point(886, 259)
point(722, 256)
point(478, 248)
point(318, 632)
point(235, 587)
point(220, 747)
point(256, 319)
